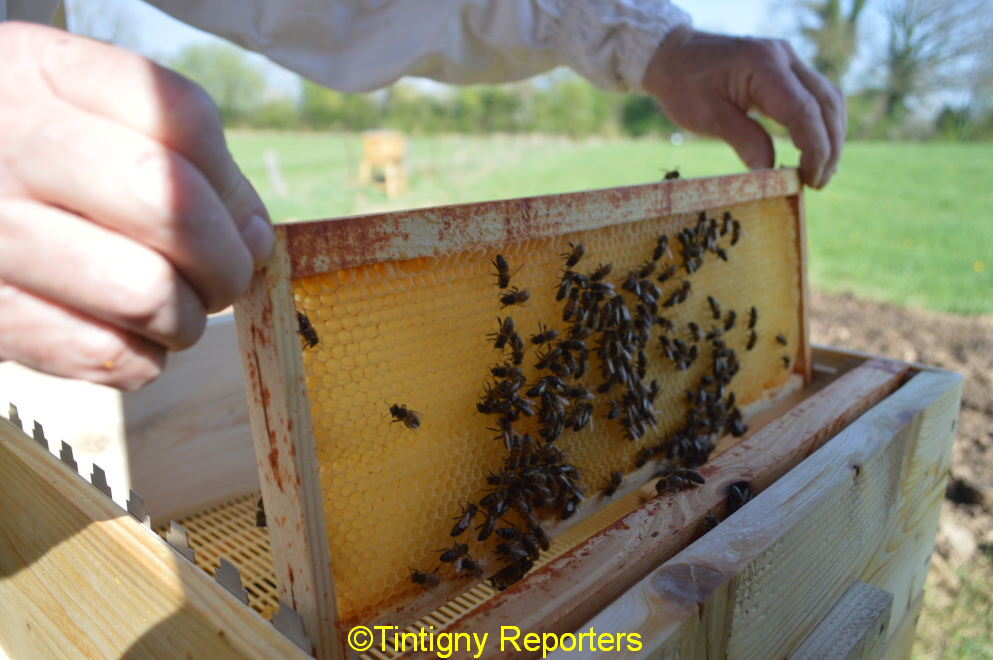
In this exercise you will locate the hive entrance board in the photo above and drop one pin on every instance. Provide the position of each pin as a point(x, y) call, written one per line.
point(402, 305)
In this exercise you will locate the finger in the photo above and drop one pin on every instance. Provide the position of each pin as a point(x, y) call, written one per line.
point(137, 187)
point(745, 135)
point(165, 106)
point(777, 92)
point(55, 340)
point(832, 104)
point(133, 287)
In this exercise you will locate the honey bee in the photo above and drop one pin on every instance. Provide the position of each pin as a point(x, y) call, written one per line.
point(454, 552)
point(506, 371)
point(613, 483)
point(503, 334)
point(545, 335)
point(722, 253)
point(503, 271)
point(306, 330)
point(469, 566)
point(601, 272)
point(739, 494)
point(753, 318)
point(468, 513)
point(695, 331)
point(647, 269)
point(736, 232)
point(710, 521)
point(781, 339)
point(752, 338)
point(661, 247)
point(671, 175)
point(715, 307)
point(517, 349)
point(260, 520)
point(486, 529)
point(574, 255)
point(667, 273)
point(426, 580)
point(786, 361)
point(514, 297)
point(678, 479)
point(409, 417)
point(729, 320)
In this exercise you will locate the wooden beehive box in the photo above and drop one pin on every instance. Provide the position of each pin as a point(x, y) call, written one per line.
point(848, 456)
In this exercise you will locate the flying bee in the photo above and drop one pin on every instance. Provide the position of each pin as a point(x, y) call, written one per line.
point(426, 580)
point(545, 335)
point(601, 272)
point(306, 330)
point(671, 174)
point(503, 334)
point(752, 338)
point(468, 513)
point(729, 320)
point(454, 552)
point(715, 307)
point(781, 339)
point(514, 297)
point(575, 253)
point(661, 247)
point(503, 271)
point(677, 480)
point(613, 483)
point(260, 520)
point(753, 318)
point(403, 414)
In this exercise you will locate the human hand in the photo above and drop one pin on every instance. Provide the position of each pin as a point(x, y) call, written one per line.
point(123, 218)
point(707, 83)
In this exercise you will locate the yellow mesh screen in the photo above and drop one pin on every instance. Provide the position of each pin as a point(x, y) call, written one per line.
point(415, 333)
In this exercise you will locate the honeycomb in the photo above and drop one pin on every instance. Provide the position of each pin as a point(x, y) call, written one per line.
point(415, 333)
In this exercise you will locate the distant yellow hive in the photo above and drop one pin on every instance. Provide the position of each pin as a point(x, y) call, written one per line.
point(414, 332)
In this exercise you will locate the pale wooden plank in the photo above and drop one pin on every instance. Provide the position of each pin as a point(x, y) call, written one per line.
point(766, 573)
point(328, 245)
point(571, 589)
point(855, 628)
point(183, 442)
point(901, 641)
point(284, 447)
point(79, 577)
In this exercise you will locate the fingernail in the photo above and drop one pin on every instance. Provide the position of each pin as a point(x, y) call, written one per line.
point(259, 238)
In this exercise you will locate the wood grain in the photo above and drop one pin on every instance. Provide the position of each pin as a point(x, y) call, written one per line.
point(860, 508)
point(855, 629)
point(81, 578)
point(570, 590)
point(284, 447)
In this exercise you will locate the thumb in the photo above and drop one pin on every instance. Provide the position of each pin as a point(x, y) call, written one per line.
point(247, 210)
point(745, 135)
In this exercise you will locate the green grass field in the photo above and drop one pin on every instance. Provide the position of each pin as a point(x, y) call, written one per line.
point(902, 222)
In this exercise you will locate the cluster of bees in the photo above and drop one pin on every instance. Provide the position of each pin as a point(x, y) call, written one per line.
point(617, 327)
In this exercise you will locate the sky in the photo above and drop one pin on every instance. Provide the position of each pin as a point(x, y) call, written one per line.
point(157, 35)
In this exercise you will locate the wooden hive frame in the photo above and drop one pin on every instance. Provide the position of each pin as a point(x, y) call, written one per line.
point(270, 344)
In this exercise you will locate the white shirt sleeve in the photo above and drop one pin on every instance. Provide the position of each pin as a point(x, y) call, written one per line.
point(361, 45)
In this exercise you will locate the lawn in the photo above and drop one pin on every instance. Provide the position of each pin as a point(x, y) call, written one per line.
point(902, 222)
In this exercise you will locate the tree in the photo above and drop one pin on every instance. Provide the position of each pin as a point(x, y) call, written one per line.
point(236, 86)
point(932, 45)
point(833, 36)
point(327, 109)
